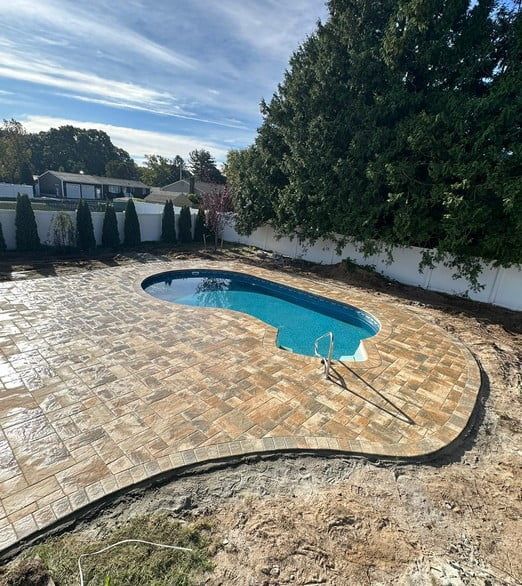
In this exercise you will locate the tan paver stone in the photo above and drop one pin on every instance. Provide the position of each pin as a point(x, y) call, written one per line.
point(102, 386)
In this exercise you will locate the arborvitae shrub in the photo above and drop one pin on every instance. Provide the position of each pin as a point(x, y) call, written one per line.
point(3, 247)
point(199, 227)
point(131, 227)
point(25, 224)
point(84, 230)
point(185, 225)
point(110, 234)
point(168, 223)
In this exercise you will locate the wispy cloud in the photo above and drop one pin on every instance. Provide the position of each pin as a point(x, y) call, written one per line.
point(83, 21)
point(136, 141)
point(51, 74)
point(228, 123)
point(198, 68)
point(95, 89)
point(273, 27)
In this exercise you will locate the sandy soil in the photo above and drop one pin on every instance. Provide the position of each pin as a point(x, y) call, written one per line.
point(338, 521)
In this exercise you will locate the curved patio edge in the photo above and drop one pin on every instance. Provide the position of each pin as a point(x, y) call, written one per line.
point(458, 374)
point(186, 462)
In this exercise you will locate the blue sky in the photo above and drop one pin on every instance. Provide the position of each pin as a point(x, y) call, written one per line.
point(162, 76)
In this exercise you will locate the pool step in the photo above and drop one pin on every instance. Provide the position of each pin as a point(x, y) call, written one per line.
point(286, 348)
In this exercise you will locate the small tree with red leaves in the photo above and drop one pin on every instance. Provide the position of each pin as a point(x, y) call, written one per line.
point(218, 208)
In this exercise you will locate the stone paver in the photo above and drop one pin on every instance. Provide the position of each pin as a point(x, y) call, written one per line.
point(103, 386)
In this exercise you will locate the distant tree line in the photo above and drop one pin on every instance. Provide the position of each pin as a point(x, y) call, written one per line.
point(72, 149)
point(397, 123)
point(158, 170)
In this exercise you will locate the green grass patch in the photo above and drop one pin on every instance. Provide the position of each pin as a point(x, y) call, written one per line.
point(127, 564)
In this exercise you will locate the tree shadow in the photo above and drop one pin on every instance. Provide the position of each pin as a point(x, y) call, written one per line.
point(337, 378)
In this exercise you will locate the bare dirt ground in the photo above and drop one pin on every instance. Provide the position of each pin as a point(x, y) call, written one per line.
point(342, 521)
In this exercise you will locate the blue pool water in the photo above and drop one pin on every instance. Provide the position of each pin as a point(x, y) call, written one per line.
point(300, 317)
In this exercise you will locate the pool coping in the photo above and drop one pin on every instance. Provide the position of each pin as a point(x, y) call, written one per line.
point(177, 462)
point(270, 338)
point(139, 288)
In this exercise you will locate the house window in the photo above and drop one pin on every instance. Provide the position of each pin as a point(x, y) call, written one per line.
point(114, 189)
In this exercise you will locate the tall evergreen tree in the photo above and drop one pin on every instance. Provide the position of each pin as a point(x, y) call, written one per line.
point(199, 226)
point(131, 226)
point(168, 223)
point(26, 230)
point(110, 234)
point(397, 123)
point(185, 225)
point(85, 239)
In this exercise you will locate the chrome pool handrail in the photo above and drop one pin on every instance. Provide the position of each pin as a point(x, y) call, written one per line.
point(328, 358)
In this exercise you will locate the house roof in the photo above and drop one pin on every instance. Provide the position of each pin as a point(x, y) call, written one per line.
point(94, 179)
point(161, 196)
point(183, 186)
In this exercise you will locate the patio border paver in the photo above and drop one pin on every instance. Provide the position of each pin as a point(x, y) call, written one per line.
point(412, 398)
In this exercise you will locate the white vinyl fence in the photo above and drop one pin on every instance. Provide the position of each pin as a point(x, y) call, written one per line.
point(13, 189)
point(149, 216)
point(502, 287)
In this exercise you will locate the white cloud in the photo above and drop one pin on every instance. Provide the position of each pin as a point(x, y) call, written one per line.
point(95, 89)
point(51, 74)
point(272, 27)
point(136, 141)
point(207, 62)
point(229, 123)
point(83, 23)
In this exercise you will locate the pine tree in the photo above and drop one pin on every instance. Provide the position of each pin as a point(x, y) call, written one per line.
point(203, 166)
point(168, 223)
point(85, 239)
point(199, 227)
point(3, 246)
point(110, 234)
point(25, 225)
point(185, 225)
point(131, 227)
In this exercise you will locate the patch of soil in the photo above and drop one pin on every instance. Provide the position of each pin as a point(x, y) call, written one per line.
point(31, 572)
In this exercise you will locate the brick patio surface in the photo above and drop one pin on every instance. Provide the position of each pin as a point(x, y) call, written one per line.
point(103, 386)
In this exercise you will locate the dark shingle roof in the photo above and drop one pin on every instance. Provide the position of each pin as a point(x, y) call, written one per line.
point(161, 196)
point(183, 186)
point(95, 179)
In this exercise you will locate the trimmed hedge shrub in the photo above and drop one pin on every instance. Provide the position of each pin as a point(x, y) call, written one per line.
point(185, 225)
point(84, 229)
point(131, 227)
point(168, 223)
point(25, 224)
point(199, 227)
point(3, 247)
point(110, 234)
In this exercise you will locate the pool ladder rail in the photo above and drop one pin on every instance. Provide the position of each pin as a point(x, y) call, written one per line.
point(327, 360)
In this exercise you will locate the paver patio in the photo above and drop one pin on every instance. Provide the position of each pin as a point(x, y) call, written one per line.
point(103, 386)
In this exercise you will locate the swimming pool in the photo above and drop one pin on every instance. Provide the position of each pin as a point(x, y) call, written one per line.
point(299, 317)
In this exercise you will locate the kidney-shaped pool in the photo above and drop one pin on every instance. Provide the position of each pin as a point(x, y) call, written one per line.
point(300, 317)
